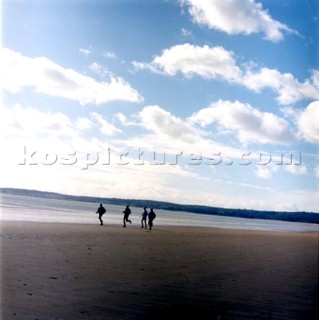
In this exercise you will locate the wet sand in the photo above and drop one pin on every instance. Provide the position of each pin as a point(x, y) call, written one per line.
point(65, 271)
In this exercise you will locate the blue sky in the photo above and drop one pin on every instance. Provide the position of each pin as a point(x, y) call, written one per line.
point(207, 102)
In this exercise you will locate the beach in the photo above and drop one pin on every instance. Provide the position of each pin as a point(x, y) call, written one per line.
point(85, 271)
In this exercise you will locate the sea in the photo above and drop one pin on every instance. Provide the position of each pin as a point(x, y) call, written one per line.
point(34, 209)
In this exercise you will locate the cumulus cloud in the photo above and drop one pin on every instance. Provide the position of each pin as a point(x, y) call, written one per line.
point(207, 62)
point(29, 123)
point(176, 135)
point(124, 120)
point(288, 88)
point(83, 123)
point(236, 17)
point(218, 63)
point(43, 132)
point(121, 117)
point(308, 122)
point(45, 76)
point(163, 123)
point(248, 123)
point(105, 127)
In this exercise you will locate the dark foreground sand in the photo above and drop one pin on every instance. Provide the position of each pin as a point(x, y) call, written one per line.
point(63, 271)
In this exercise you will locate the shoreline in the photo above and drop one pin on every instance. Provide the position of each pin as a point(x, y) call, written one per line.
point(164, 205)
point(167, 226)
point(75, 271)
point(136, 226)
point(22, 208)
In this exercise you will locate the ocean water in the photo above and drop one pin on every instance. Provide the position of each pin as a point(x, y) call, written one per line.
point(23, 208)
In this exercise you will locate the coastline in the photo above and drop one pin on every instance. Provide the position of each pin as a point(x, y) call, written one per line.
point(74, 271)
point(26, 208)
point(297, 216)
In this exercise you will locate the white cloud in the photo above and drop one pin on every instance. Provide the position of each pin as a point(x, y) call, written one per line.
point(97, 68)
point(316, 171)
point(207, 62)
point(85, 51)
point(30, 126)
point(123, 119)
point(308, 122)
point(45, 76)
point(288, 88)
point(266, 172)
point(109, 55)
point(55, 132)
point(249, 124)
point(156, 183)
point(83, 123)
point(103, 72)
point(236, 17)
point(185, 33)
point(296, 169)
point(41, 132)
point(30, 122)
point(163, 123)
point(105, 127)
point(175, 136)
point(218, 63)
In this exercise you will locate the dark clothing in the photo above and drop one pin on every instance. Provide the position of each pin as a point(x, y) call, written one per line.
point(127, 213)
point(151, 217)
point(101, 210)
point(144, 217)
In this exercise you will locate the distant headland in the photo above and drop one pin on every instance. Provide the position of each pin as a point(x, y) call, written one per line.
point(300, 216)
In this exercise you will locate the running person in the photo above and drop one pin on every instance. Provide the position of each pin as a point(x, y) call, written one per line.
point(144, 217)
point(101, 210)
point(127, 213)
point(151, 217)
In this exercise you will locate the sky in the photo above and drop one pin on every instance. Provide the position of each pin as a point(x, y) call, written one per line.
point(211, 102)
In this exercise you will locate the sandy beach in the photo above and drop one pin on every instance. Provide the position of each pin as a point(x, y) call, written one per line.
point(76, 271)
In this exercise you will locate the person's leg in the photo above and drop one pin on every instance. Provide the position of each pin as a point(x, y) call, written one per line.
point(101, 221)
point(124, 224)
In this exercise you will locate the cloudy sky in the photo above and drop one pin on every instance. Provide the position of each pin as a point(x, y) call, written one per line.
point(209, 102)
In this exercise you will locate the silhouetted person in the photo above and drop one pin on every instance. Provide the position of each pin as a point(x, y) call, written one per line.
point(127, 213)
point(151, 217)
point(101, 210)
point(144, 217)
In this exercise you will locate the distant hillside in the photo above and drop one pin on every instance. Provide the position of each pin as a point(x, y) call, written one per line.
point(309, 217)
